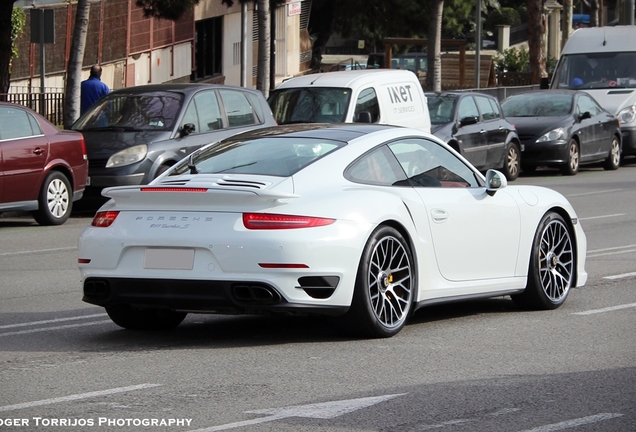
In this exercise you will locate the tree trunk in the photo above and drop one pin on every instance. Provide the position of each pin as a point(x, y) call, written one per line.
point(264, 40)
point(536, 45)
point(6, 7)
point(76, 59)
point(566, 22)
point(433, 51)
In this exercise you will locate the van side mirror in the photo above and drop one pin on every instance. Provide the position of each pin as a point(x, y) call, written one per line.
point(187, 129)
point(544, 84)
point(364, 117)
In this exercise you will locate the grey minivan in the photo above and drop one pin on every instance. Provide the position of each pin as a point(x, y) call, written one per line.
point(135, 134)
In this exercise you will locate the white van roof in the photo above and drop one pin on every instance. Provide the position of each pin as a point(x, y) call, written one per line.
point(348, 78)
point(601, 39)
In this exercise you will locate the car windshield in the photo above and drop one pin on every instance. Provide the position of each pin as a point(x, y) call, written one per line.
point(310, 105)
point(538, 104)
point(156, 111)
point(596, 71)
point(273, 156)
point(441, 108)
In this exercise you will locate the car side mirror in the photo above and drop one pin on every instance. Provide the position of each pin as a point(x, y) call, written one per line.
point(495, 180)
point(544, 84)
point(187, 129)
point(364, 117)
point(471, 120)
point(585, 115)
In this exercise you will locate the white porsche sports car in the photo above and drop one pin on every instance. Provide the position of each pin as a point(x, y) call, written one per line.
point(366, 221)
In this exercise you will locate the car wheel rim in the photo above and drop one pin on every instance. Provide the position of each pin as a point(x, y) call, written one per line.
point(574, 157)
point(57, 198)
point(616, 154)
point(556, 261)
point(513, 161)
point(390, 282)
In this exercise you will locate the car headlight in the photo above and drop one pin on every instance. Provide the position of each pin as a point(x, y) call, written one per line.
point(553, 135)
point(627, 115)
point(129, 156)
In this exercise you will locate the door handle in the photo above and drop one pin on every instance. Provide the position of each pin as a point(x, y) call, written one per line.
point(439, 215)
point(38, 151)
point(483, 131)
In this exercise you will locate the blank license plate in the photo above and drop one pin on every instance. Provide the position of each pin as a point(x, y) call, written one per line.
point(169, 259)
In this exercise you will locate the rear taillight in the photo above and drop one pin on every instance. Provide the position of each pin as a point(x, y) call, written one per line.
point(104, 219)
point(84, 154)
point(265, 221)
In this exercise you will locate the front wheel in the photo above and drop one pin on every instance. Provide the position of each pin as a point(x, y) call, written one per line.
point(552, 264)
point(55, 200)
point(512, 163)
point(572, 165)
point(385, 285)
point(613, 160)
point(144, 319)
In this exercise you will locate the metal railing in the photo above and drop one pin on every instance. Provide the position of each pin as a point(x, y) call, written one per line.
point(49, 104)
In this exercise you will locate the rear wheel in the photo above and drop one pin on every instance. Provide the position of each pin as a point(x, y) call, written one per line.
point(613, 160)
point(552, 264)
point(55, 200)
point(572, 165)
point(385, 285)
point(144, 319)
point(512, 162)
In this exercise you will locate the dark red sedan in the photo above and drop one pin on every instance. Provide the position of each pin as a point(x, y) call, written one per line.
point(42, 169)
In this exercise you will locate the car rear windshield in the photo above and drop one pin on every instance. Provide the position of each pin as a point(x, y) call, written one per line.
point(156, 111)
point(310, 105)
point(538, 104)
point(262, 156)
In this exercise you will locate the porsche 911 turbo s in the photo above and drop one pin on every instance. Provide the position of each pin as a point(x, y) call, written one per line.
point(368, 222)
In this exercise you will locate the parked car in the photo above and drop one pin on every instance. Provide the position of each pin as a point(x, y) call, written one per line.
point(134, 134)
point(563, 128)
point(366, 221)
point(42, 169)
point(473, 124)
point(383, 96)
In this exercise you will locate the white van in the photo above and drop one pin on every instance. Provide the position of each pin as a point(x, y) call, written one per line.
point(602, 62)
point(384, 96)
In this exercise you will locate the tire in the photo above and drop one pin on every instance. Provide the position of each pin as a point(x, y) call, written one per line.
point(55, 200)
point(144, 319)
point(385, 286)
point(613, 160)
point(512, 162)
point(572, 165)
point(551, 268)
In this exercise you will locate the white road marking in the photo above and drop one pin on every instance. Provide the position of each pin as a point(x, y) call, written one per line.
point(444, 424)
point(32, 323)
point(611, 251)
point(76, 397)
point(594, 193)
point(54, 328)
point(37, 251)
point(620, 276)
point(574, 423)
point(325, 410)
point(602, 217)
point(607, 309)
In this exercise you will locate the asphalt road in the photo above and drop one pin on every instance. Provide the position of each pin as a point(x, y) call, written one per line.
point(477, 366)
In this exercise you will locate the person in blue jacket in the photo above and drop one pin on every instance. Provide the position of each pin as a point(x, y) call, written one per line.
point(92, 89)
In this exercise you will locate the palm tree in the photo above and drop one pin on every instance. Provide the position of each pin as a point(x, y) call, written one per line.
point(74, 72)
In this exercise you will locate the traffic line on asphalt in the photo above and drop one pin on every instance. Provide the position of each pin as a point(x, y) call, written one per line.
point(620, 276)
point(33, 323)
point(607, 309)
point(38, 251)
point(602, 217)
point(77, 397)
point(594, 193)
point(611, 251)
point(19, 332)
point(575, 422)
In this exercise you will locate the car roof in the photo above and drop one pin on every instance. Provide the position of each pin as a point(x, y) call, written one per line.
point(181, 88)
point(332, 131)
point(346, 78)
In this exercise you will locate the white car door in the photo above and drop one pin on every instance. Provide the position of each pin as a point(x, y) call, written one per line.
point(475, 235)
